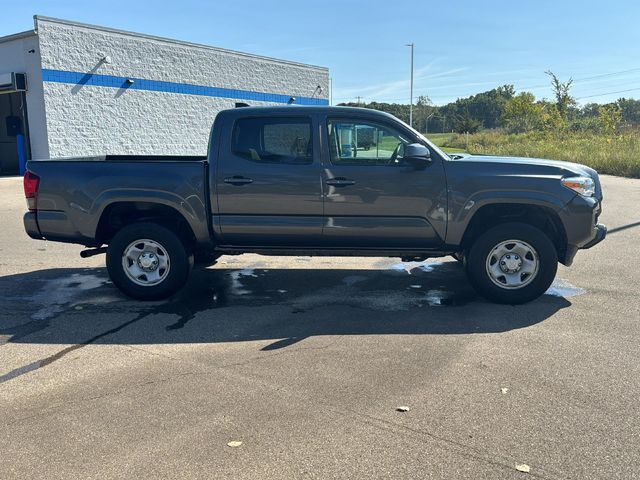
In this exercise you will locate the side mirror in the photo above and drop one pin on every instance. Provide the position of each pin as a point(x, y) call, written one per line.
point(417, 155)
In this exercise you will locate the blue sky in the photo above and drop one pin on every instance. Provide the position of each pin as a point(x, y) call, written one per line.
point(462, 47)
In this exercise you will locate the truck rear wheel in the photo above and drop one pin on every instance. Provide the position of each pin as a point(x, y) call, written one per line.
point(512, 263)
point(147, 261)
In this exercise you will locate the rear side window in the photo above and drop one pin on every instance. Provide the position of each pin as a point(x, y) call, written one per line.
point(273, 140)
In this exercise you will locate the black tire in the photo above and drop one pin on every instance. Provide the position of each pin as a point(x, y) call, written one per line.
point(178, 260)
point(478, 261)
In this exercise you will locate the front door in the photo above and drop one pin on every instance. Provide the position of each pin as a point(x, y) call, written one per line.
point(268, 183)
point(373, 198)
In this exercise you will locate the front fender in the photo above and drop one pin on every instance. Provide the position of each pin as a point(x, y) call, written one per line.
point(463, 206)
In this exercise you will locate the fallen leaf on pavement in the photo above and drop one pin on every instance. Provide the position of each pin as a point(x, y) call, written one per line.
point(234, 443)
point(504, 390)
point(522, 467)
point(402, 409)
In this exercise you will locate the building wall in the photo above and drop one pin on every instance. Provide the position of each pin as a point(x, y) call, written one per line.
point(176, 92)
point(20, 53)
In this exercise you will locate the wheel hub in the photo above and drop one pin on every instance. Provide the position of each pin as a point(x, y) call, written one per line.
point(148, 261)
point(510, 263)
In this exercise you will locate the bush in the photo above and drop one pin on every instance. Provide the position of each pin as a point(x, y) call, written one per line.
point(617, 154)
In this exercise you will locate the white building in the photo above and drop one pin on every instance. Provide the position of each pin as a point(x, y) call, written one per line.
point(92, 90)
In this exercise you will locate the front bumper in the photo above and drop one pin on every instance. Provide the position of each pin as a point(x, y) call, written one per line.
point(580, 220)
point(600, 234)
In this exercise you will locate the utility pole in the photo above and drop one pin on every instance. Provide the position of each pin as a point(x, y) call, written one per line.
point(426, 126)
point(411, 89)
point(359, 98)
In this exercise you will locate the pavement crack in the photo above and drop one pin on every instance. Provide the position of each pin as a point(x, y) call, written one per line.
point(134, 386)
point(449, 444)
point(17, 372)
point(149, 352)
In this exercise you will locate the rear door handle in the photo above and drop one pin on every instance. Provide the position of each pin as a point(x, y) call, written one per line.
point(238, 180)
point(340, 182)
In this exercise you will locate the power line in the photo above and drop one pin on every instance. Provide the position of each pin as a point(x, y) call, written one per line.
point(608, 93)
point(587, 78)
point(607, 74)
point(601, 75)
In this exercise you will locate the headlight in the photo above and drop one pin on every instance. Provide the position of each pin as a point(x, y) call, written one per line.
point(585, 186)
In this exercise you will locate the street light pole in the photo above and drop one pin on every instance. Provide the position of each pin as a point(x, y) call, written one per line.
point(411, 89)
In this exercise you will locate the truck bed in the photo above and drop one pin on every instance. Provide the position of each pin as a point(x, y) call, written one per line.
point(75, 193)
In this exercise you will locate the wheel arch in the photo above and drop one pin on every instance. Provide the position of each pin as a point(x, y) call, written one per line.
point(542, 217)
point(119, 214)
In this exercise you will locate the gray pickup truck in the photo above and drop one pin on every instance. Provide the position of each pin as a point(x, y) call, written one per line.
point(318, 181)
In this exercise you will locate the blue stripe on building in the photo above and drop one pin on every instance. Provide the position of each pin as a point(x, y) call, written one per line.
point(97, 80)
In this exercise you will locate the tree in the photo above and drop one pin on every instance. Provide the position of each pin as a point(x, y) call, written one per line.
point(467, 124)
point(517, 113)
point(486, 107)
point(522, 114)
point(561, 90)
point(609, 117)
point(629, 111)
point(423, 110)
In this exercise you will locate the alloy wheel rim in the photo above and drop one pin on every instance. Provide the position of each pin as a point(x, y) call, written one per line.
point(146, 262)
point(512, 264)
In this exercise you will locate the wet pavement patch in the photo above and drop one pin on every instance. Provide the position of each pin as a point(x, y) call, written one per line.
point(562, 288)
point(75, 295)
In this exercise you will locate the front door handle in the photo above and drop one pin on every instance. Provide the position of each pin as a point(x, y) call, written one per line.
point(340, 182)
point(238, 180)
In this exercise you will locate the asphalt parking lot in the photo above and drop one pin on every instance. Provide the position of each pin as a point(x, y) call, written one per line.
point(305, 361)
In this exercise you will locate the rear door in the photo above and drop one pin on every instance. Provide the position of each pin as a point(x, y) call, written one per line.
point(268, 182)
point(374, 199)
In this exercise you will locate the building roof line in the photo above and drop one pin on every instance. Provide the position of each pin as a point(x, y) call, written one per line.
point(170, 40)
point(17, 36)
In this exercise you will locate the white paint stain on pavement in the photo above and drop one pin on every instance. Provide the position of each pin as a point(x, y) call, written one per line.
point(562, 288)
point(409, 266)
point(237, 288)
point(57, 293)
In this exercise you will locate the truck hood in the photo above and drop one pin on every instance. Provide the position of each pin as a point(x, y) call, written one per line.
point(533, 166)
point(533, 162)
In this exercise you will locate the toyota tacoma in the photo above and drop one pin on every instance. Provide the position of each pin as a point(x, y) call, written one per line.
point(314, 181)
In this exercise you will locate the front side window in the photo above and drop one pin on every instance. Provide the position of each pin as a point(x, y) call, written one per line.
point(273, 140)
point(361, 143)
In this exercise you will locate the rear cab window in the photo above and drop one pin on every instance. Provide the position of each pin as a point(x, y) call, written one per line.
point(285, 140)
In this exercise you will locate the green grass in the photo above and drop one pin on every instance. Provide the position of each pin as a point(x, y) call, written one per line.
point(615, 154)
point(441, 140)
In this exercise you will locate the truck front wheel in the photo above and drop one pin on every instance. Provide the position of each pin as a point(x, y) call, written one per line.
point(512, 263)
point(147, 261)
